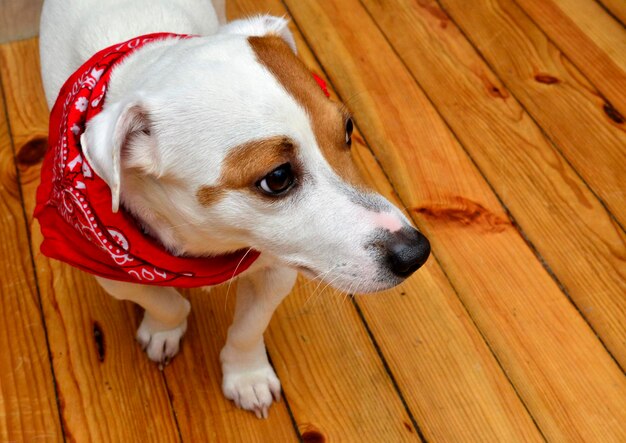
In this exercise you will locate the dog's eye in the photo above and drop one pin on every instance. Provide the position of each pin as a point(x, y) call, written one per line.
point(278, 181)
point(349, 129)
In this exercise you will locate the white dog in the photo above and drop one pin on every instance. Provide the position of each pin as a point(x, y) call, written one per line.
point(225, 142)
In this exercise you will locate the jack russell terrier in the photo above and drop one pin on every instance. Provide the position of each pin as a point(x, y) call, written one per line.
point(185, 151)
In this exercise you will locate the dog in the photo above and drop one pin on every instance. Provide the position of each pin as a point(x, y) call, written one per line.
point(216, 140)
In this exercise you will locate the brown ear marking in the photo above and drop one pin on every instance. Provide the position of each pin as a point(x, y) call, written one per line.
point(246, 164)
point(327, 118)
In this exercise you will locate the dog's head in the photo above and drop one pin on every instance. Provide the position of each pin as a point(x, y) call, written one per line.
point(227, 142)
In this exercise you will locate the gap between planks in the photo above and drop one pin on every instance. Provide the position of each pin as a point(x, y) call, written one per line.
point(581, 274)
point(40, 417)
point(577, 323)
point(598, 284)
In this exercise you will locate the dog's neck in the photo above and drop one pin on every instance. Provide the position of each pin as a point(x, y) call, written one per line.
point(142, 195)
point(179, 232)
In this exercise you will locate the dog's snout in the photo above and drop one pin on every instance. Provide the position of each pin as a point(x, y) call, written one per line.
point(407, 251)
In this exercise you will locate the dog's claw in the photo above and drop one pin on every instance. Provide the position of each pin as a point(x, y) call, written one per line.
point(261, 412)
point(166, 361)
point(160, 345)
point(252, 390)
point(142, 343)
point(275, 390)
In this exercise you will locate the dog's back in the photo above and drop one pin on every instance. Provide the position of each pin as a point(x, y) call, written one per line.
point(73, 30)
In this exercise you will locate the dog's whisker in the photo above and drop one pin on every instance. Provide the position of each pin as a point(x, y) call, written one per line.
point(233, 277)
point(314, 290)
point(342, 295)
point(328, 284)
point(314, 279)
point(321, 276)
point(347, 294)
point(348, 101)
point(318, 294)
point(356, 290)
point(351, 293)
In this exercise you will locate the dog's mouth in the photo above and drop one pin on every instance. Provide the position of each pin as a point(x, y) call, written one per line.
point(348, 282)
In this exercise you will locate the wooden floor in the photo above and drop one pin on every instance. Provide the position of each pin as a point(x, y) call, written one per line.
point(499, 127)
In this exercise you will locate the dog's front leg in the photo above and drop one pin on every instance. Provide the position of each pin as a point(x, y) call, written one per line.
point(164, 321)
point(249, 379)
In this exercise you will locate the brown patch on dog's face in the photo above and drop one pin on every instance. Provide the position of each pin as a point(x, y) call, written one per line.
point(327, 118)
point(246, 164)
point(209, 195)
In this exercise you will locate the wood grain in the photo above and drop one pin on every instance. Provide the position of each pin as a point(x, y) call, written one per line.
point(571, 229)
point(116, 386)
point(617, 8)
point(558, 366)
point(446, 345)
point(449, 369)
point(450, 379)
point(568, 108)
point(590, 38)
point(324, 357)
point(28, 408)
point(304, 348)
point(195, 378)
point(125, 389)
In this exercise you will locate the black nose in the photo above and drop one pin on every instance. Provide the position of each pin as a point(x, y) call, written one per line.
point(407, 251)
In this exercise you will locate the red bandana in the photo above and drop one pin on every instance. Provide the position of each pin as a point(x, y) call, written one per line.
point(320, 81)
point(74, 204)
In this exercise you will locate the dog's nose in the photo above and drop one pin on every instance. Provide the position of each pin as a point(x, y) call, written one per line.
point(407, 251)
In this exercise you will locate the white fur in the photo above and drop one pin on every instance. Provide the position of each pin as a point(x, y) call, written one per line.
point(199, 98)
point(259, 26)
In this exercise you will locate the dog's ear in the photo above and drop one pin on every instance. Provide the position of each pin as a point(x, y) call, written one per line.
point(120, 133)
point(260, 25)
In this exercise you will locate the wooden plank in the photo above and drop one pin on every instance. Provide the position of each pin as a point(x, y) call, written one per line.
point(617, 8)
point(558, 213)
point(553, 91)
point(107, 389)
point(568, 381)
point(590, 38)
point(450, 380)
point(28, 408)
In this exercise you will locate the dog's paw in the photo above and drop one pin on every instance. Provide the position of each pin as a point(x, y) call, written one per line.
point(253, 390)
point(160, 345)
